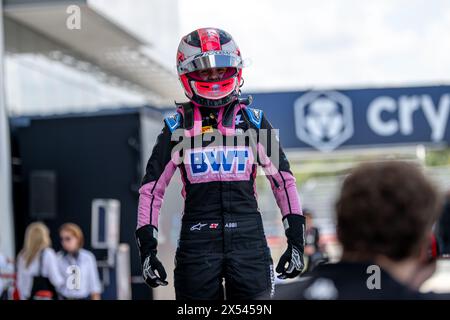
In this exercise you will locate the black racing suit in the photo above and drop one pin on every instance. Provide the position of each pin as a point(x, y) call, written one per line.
point(222, 236)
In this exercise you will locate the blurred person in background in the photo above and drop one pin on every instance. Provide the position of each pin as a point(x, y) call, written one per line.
point(3, 287)
point(38, 276)
point(222, 236)
point(6, 277)
point(78, 266)
point(314, 252)
point(385, 215)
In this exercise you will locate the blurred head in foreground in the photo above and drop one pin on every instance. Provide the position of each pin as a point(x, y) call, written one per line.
point(385, 213)
point(37, 238)
point(72, 238)
point(386, 210)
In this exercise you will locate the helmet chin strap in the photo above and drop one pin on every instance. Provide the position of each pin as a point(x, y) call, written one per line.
point(203, 102)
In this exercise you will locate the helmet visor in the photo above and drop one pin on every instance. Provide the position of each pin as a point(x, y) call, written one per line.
point(208, 60)
point(212, 74)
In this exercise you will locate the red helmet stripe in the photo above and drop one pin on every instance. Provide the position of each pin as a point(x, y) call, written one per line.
point(209, 39)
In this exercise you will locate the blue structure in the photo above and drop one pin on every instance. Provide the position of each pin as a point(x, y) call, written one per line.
point(330, 120)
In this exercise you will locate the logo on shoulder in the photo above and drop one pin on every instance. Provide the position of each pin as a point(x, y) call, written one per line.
point(173, 121)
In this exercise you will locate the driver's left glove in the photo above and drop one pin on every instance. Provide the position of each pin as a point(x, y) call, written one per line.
point(291, 262)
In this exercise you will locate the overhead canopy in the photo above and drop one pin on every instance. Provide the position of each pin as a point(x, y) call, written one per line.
point(99, 41)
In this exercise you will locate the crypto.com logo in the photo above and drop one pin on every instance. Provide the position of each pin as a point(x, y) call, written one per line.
point(323, 119)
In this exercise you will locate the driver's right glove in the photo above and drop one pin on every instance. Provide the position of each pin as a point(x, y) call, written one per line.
point(152, 269)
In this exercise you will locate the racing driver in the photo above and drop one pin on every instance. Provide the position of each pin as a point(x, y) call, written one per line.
point(222, 250)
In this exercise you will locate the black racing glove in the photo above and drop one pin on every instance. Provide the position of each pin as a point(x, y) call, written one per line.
point(146, 238)
point(291, 262)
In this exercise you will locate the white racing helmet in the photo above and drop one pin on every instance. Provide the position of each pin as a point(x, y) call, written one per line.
point(209, 48)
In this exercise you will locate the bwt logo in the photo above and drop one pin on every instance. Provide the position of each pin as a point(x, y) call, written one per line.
point(218, 161)
point(323, 119)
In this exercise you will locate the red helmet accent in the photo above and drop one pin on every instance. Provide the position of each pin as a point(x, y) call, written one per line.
point(209, 39)
point(187, 88)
